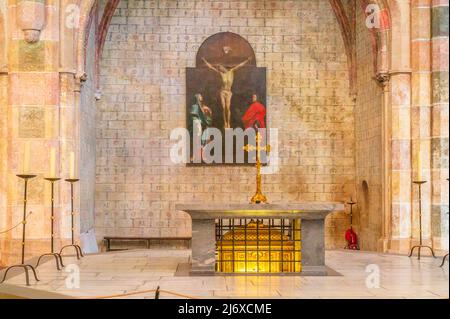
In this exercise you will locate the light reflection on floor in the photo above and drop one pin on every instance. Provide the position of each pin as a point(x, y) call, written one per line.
point(124, 272)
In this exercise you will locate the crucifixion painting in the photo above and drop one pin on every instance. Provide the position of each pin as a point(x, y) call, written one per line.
point(231, 86)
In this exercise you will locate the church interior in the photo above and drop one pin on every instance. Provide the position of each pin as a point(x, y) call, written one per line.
point(348, 101)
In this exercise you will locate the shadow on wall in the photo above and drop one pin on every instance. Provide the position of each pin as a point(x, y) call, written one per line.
point(365, 193)
point(364, 209)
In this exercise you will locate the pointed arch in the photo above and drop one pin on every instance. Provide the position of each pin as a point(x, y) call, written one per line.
point(87, 10)
point(348, 36)
point(108, 13)
point(380, 38)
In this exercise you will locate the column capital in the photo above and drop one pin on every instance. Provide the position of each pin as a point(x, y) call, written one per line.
point(80, 78)
point(382, 78)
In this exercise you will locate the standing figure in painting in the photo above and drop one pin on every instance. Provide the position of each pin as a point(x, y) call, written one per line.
point(255, 117)
point(227, 76)
point(200, 119)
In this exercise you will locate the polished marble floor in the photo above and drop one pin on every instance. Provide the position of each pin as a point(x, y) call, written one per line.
point(362, 275)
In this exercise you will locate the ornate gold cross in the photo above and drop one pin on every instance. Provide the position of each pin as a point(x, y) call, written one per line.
point(258, 198)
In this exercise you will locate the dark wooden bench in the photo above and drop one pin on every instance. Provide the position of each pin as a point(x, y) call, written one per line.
point(148, 240)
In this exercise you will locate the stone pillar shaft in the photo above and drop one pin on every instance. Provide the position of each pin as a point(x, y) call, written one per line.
point(400, 85)
point(31, 114)
point(440, 123)
point(420, 114)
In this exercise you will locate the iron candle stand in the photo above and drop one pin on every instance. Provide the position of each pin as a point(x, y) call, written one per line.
point(77, 247)
point(57, 256)
point(348, 245)
point(26, 267)
point(443, 261)
point(351, 203)
point(421, 245)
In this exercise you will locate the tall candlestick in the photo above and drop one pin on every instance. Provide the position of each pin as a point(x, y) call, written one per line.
point(26, 158)
point(53, 162)
point(72, 165)
point(419, 166)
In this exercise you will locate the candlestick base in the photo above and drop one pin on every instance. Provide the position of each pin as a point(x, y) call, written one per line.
point(443, 260)
point(258, 198)
point(419, 247)
point(77, 250)
point(27, 275)
point(58, 260)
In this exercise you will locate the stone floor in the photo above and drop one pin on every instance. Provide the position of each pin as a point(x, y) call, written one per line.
point(131, 271)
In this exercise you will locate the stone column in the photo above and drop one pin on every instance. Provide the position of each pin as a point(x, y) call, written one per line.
point(386, 151)
point(420, 113)
point(3, 133)
point(38, 104)
point(400, 92)
point(70, 88)
point(383, 78)
point(440, 123)
point(31, 116)
point(69, 142)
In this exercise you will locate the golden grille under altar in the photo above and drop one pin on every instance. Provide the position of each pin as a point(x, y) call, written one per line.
point(258, 246)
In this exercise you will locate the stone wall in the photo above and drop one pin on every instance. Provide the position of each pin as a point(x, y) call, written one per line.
point(368, 131)
point(149, 45)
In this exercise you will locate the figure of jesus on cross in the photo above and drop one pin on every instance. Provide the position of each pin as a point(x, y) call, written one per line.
point(259, 197)
point(227, 76)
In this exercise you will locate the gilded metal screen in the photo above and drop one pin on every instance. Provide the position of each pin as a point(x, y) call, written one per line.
point(258, 246)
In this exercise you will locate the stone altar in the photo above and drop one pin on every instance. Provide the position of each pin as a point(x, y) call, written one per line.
point(312, 216)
